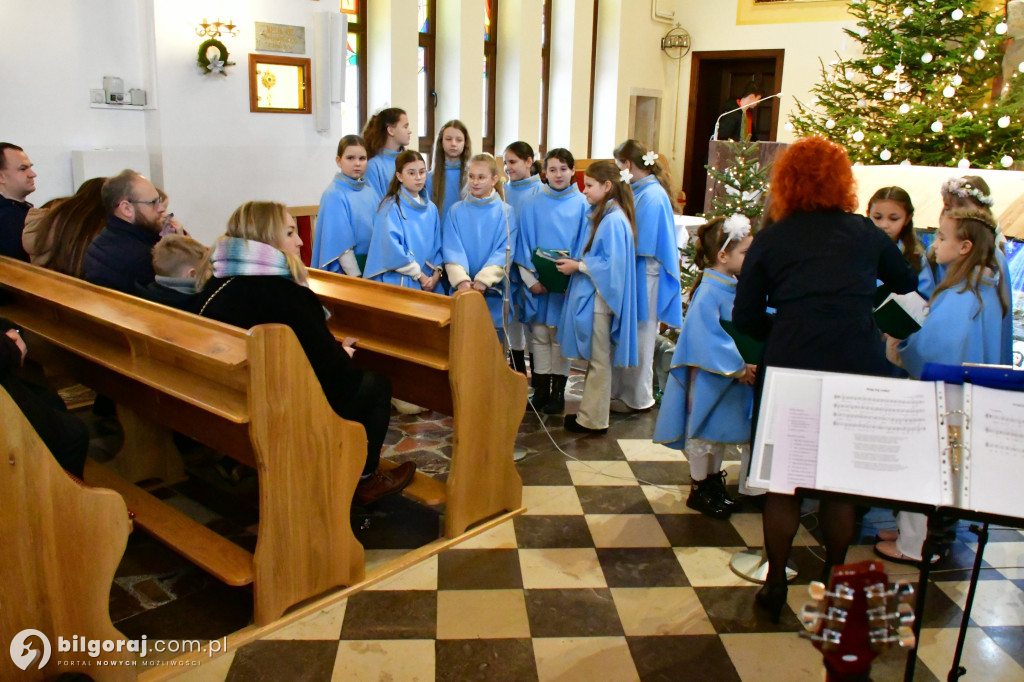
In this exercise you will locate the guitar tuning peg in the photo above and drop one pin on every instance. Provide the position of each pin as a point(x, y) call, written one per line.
point(817, 590)
point(906, 614)
point(904, 592)
point(907, 638)
point(809, 616)
point(828, 639)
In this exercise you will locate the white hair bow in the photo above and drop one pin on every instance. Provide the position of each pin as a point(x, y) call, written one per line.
point(736, 228)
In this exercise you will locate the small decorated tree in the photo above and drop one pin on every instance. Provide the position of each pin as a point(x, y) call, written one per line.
point(744, 180)
point(922, 90)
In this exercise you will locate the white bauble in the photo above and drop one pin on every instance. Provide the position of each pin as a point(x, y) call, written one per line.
point(788, 127)
point(908, 11)
point(937, 127)
point(830, 124)
point(1002, 28)
point(1003, 122)
point(885, 155)
point(948, 91)
point(858, 136)
point(957, 14)
point(963, 164)
point(927, 58)
point(957, 80)
point(905, 162)
point(888, 95)
point(904, 108)
point(979, 54)
point(1006, 161)
point(878, 70)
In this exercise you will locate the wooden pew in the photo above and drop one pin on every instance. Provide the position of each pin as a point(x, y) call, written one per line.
point(62, 544)
point(440, 352)
point(249, 394)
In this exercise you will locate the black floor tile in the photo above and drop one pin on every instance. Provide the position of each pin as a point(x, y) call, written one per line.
point(544, 468)
point(940, 611)
point(493, 660)
point(273, 660)
point(211, 613)
point(479, 569)
point(662, 473)
point(613, 499)
point(1010, 639)
point(572, 613)
point(694, 658)
point(541, 532)
point(697, 530)
point(732, 610)
point(590, 449)
point(641, 567)
point(396, 522)
point(406, 614)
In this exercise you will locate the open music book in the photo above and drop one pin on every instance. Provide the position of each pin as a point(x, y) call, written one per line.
point(925, 442)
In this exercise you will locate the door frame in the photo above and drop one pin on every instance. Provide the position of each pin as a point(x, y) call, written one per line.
point(696, 60)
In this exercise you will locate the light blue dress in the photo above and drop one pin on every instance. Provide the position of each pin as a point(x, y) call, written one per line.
point(405, 231)
point(344, 221)
point(474, 236)
point(452, 187)
point(1006, 325)
point(610, 275)
point(656, 238)
point(380, 169)
point(550, 220)
point(959, 328)
point(702, 399)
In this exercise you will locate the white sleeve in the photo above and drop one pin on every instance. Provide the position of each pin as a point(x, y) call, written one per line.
point(528, 279)
point(410, 270)
point(456, 274)
point(348, 263)
point(490, 275)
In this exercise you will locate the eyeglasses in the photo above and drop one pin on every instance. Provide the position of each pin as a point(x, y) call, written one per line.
point(151, 202)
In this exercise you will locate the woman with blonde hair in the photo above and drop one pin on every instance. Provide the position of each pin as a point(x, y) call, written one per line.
point(817, 265)
point(253, 275)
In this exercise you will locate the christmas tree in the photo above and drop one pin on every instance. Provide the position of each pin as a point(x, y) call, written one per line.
point(744, 181)
point(922, 90)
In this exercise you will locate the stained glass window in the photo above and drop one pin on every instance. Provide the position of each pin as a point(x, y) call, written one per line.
point(424, 16)
point(350, 108)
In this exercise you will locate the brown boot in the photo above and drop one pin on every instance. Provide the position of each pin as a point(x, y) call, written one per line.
point(382, 483)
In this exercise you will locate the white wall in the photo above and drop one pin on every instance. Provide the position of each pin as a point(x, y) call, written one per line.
point(54, 52)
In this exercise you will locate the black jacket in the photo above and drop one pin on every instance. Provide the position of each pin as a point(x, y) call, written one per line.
point(10, 355)
point(731, 125)
point(12, 224)
point(120, 256)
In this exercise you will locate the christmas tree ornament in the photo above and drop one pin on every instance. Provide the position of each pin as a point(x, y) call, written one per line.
point(957, 14)
point(1020, 67)
point(957, 80)
point(908, 11)
point(885, 155)
point(937, 127)
point(788, 127)
point(1001, 29)
point(1006, 161)
point(904, 87)
point(979, 54)
point(830, 124)
point(948, 91)
point(1003, 122)
point(877, 70)
point(904, 108)
point(861, 103)
point(858, 136)
point(963, 164)
point(905, 162)
point(888, 95)
point(927, 58)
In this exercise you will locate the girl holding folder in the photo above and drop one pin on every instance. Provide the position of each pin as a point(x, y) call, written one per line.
point(555, 222)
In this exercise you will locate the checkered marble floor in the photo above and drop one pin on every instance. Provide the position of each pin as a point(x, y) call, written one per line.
point(609, 576)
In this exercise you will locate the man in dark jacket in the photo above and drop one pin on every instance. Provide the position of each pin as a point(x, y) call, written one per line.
point(121, 255)
point(739, 125)
point(17, 181)
point(65, 435)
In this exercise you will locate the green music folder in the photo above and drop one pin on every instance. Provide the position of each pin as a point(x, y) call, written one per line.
point(750, 348)
point(361, 261)
point(544, 260)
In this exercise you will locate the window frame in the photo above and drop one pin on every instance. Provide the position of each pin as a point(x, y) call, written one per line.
point(357, 25)
point(491, 69)
point(428, 41)
point(545, 68)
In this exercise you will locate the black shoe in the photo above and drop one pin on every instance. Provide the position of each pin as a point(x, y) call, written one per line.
point(541, 390)
point(717, 482)
point(771, 598)
point(574, 426)
point(556, 403)
point(518, 362)
point(703, 499)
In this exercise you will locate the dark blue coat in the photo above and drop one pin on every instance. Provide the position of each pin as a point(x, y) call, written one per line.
point(120, 256)
point(12, 224)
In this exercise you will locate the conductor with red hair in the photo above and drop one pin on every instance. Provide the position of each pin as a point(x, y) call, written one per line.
point(817, 265)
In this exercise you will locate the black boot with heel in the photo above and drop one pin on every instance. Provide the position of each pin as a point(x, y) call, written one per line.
point(556, 403)
point(704, 499)
point(541, 390)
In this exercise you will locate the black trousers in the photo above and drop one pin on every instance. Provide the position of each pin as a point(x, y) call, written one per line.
point(371, 407)
point(63, 434)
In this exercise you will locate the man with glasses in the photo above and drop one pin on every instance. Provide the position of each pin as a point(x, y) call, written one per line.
point(121, 254)
point(17, 181)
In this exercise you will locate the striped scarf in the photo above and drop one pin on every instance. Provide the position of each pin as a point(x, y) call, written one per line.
point(233, 257)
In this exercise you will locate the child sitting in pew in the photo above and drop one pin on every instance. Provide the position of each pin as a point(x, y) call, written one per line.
point(253, 275)
point(176, 260)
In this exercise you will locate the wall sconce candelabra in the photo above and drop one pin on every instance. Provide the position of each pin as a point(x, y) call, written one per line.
point(217, 29)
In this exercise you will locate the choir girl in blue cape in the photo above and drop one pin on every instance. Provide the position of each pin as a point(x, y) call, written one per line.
point(706, 407)
point(964, 324)
point(447, 179)
point(599, 316)
point(476, 238)
point(523, 183)
point(892, 210)
point(557, 218)
point(406, 245)
point(657, 272)
point(344, 222)
point(971, 191)
point(386, 135)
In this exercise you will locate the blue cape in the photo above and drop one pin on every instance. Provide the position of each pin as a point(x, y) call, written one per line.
point(611, 276)
point(452, 187)
point(344, 221)
point(403, 232)
point(474, 235)
point(1006, 337)
point(656, 238)
point(702, 400)
point(380, 169)
point(956, 331)
point(520, 191)
point(550, 220)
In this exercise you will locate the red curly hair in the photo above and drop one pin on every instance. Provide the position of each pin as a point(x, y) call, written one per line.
point(813, 174)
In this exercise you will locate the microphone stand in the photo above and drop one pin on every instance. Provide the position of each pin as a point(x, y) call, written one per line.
point(718, 122)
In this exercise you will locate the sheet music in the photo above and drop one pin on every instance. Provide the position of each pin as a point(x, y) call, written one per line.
point(795, 459)
point(799, 391)
point(879, 437)
point(996, 451)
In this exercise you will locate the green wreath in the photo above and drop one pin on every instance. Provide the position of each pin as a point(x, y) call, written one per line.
point(206, 65)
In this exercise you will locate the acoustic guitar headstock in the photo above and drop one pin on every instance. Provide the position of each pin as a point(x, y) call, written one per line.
point(858, 616)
